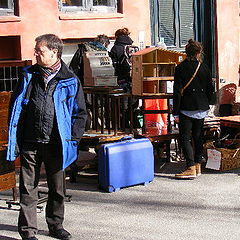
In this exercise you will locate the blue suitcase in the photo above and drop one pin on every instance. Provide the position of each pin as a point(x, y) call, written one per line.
point(125, 163)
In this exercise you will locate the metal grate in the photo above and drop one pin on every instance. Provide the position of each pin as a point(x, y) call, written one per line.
point(9, 77)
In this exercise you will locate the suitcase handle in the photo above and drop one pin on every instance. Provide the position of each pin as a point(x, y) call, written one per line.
point(125, 138)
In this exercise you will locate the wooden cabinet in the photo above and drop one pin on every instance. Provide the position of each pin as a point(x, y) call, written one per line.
point(7, 169)
point(4, 102)
point(153, 70)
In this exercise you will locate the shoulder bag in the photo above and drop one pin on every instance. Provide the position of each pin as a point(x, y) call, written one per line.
point(193, 76)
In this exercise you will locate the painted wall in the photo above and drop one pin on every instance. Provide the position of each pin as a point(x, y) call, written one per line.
point(44, 17)
point(228, 31)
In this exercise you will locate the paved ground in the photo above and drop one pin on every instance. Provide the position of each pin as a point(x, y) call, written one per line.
point(207, 208)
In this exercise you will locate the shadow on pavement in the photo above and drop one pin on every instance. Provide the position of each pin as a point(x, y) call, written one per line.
point(8, 228)
point(7, 238)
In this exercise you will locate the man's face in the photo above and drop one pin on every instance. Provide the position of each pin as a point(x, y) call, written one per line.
point(45, 57)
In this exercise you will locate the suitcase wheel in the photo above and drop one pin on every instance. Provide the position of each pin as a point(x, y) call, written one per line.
point(146, 183)
point(112, 189)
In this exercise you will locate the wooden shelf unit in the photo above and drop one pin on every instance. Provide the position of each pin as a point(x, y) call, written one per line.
point(153, 70)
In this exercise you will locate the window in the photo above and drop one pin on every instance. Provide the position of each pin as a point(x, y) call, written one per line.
point(9, 77)
point(6, 7)
point(166, 19)
point(175, 22)
point(104, 6)
point(186, 24)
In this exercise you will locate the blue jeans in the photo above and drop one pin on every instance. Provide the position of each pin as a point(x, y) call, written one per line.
point(191, 136)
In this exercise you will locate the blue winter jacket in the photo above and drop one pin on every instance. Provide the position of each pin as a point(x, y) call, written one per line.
point(70, 111)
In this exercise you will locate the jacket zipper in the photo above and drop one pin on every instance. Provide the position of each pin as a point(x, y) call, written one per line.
point(43, 106)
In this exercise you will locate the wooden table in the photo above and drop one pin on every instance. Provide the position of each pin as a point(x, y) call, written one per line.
point(230, 121)
point(230, 125)
point(106, 107)
point(160, 137)
point(93, 138)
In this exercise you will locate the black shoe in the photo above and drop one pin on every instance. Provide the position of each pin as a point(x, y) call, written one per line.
point(60, 234)
point(30, 238)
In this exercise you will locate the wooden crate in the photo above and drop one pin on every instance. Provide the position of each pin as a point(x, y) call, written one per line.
point(4, 100)
point(7, 181)
point(152, 68)
point(4, 104)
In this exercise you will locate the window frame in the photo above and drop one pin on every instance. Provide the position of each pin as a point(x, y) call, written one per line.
point(89, 7)
point(172, 30)
point(9, 11)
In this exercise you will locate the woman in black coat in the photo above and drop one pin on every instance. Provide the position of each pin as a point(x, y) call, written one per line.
point(121, 66)
point(191, 105)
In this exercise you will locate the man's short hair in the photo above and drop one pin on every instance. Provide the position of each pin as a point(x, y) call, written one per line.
point(52, 42)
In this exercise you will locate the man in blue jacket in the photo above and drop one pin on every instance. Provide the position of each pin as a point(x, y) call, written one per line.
point(47, 120)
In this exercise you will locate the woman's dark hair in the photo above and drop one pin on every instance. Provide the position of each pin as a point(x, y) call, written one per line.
point(122, 31)
point(103, 39)
point(193, 48)
point(52, 42)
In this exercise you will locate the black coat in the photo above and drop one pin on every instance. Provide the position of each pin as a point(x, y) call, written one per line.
point(76, 64)
point(198, 93)
point(116, 53)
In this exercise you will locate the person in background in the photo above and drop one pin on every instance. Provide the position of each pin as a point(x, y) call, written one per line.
point(100, 43)
point(191, 105)
point(122, 69)
point(47, 120)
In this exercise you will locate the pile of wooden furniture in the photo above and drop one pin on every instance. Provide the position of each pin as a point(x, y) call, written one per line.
point(152, 82)
point(9, 76)
point(7, 169)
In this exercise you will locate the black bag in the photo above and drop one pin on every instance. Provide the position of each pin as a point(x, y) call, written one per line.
point(128, 51)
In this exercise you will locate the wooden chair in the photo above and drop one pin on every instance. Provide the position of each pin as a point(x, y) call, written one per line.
point(105, 105)
point(211, 129)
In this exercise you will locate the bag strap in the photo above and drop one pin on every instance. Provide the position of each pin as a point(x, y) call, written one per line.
point(193, 76)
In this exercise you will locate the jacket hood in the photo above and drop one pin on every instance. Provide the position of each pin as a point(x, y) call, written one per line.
point(124, 39)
